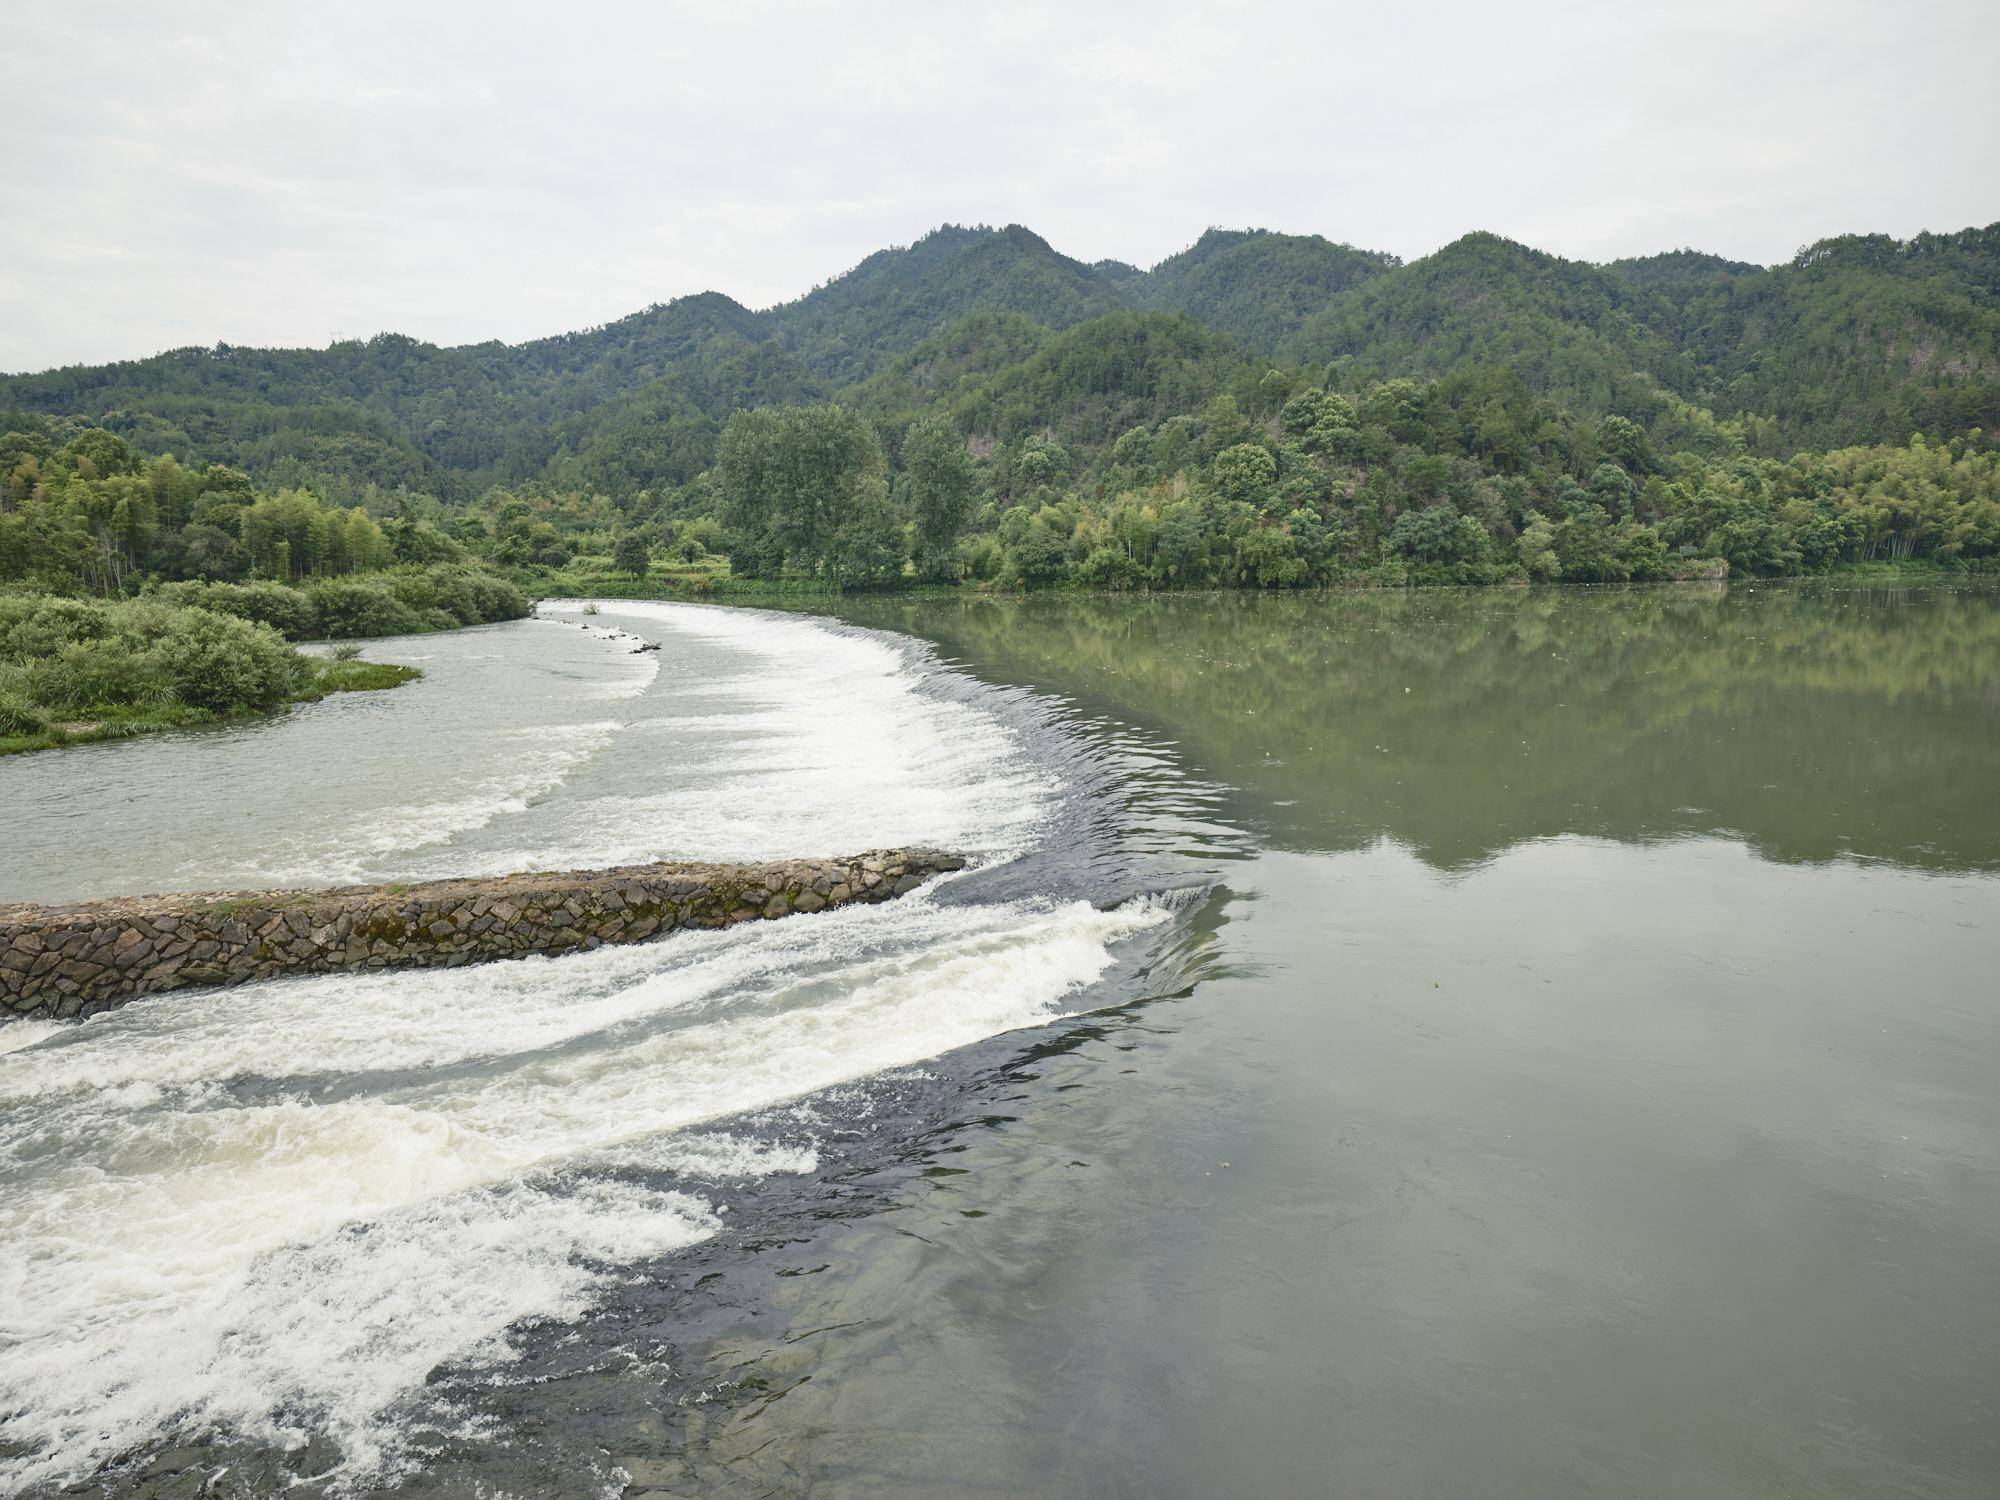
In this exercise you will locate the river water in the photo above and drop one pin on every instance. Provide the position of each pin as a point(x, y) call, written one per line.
point(1490, 1043)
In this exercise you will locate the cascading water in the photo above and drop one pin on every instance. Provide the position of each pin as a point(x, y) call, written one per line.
point(267, 1214)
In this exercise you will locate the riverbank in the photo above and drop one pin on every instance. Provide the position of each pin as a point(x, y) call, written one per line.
point(698, 583)
point(88, 956)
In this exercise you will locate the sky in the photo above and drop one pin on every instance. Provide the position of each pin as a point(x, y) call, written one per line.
point(458, 170)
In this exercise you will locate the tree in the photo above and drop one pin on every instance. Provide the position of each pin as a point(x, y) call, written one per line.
point(869, 547)
point(1314, 419)
point(941, 481)
point(1037, 559)
point(630, 555)
point(1246, 473)
point(789, 480)
point(1625, 443)
point(1538, 554)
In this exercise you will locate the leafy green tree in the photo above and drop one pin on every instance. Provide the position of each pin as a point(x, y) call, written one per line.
point(1625, 443)
point(1038, 557)
point(1316, 419)
point(1537, 547)
point(1585, 547)
point(1612, 488)
point(630, 555)
point(791, 479)
point(1246, 473)
point(941, 481)
point(870, 548)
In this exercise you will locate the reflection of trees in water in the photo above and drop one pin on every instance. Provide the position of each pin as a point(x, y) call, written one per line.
point(1813, 722)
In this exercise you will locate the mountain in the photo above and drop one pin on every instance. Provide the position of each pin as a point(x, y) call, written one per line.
point(1680, 276)
point(895, 298)
point(1257, 287)
point(1577, 333)
point(398, 411)
point(1858, 339)
point(1005, 377)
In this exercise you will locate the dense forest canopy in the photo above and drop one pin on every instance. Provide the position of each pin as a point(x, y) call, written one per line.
point(1261, 409)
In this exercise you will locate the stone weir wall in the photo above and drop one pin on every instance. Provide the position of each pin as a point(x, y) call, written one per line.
point(91, 955)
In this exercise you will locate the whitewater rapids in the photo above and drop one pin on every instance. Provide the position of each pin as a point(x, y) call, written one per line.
point(269, 1213)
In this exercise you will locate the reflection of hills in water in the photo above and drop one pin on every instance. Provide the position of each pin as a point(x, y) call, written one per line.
point(1814, 722)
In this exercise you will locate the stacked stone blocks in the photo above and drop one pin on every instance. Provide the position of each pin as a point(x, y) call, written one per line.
point(77, 959)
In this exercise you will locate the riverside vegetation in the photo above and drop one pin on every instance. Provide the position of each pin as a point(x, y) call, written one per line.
point(1261, 411)
point(152, 595)
point(74, 670)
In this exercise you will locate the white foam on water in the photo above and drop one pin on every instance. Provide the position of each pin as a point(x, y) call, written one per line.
point(341, 848)
point(813, 741)
point(189, 1261)
point(274, 1210)
point(636, 670)
point(384, 1021)
point(18, 1034)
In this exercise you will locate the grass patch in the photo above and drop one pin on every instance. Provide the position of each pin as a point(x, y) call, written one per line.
point(354, 676)
point(101, 724)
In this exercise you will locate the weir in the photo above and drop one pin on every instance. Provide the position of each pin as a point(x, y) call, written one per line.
point(87, 956)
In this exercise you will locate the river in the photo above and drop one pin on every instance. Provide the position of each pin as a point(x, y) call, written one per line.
point(1388, 1044)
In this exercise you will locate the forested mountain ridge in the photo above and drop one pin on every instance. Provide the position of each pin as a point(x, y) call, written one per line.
point(1580, 334)
point(397, 411)
point(848, 327)
point(1858, 339)
point(1254, 285)
point(1680, 275)
point(1260, 410)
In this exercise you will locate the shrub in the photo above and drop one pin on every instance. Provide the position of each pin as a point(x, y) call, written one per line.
point(398, 601)
point(223, 664)
point(20, 717)
point(467, 596)
point(354, 606)
point(68, 656)
point(153, 663)
point(287, 610)
point(36, 625)
point(402, 601)
point(111, 672)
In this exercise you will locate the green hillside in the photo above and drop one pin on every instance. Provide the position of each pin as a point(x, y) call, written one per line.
point(1578, 333)
point(1857, 338)
point(896, 298)
point(1260, 410)
point(1257, 287)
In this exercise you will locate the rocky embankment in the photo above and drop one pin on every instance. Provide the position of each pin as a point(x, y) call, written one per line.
point(88, 956)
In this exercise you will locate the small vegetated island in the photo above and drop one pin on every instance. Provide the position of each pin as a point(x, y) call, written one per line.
point(978, 411)
point(99, 644)
point(74, 670)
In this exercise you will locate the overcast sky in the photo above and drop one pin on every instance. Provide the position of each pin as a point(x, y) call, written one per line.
point(277, 173)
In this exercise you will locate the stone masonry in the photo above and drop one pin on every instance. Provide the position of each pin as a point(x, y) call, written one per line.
point(73, 960)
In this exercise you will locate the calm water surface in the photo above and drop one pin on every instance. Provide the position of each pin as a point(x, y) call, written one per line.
point(1487, 1043)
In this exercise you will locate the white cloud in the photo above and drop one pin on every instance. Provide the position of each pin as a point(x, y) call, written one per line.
point(277, 174)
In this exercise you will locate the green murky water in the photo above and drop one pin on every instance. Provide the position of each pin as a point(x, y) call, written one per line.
point(1565, 1061)
point(1596, 1089)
